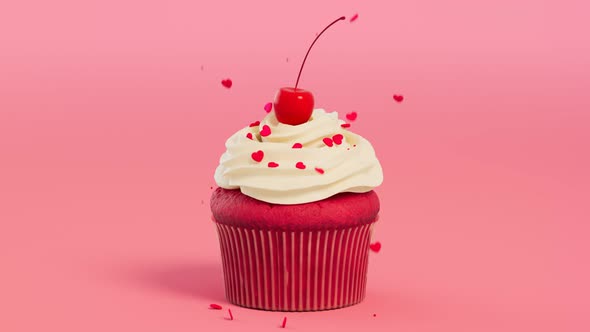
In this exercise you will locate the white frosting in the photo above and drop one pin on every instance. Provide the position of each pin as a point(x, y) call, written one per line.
point(349, 167)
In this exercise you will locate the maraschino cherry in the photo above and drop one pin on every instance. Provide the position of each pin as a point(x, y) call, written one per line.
point(294, 106)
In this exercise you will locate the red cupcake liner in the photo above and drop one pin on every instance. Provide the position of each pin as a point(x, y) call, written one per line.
point(294, 270)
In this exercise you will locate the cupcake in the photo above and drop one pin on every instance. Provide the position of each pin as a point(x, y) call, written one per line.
point(295, 209)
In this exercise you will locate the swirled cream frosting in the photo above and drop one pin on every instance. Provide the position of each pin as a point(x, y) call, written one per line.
point(284, 164)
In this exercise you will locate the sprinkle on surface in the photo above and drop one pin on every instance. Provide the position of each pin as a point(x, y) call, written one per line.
point(227, 83)
point(284, 322)
point(249, 135)
point(319, 170)
point(257, 156)
point(354, 17)
point(265, 131)
point(255, 123)
point(300, 165)
point(231, 317)
point(398, 98)
point(375, 246)
point(297, 146)
point(351, 116)
point(272, 164)
point(215, 306)
point(268, 107)
point(328, 141)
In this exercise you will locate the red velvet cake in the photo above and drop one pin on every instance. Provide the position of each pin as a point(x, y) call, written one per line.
point(295, 208)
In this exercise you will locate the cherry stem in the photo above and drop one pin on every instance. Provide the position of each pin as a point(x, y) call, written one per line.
point(309, 49)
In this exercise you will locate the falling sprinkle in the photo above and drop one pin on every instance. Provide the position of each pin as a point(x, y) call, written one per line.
point(284, 322)
point(398, 98)
point(328, 141)
point(375, 246)
point(211, 187)
point(272, 164)
point(215, 306)
point(202, 67)
point(300, 165)
point(265, 131)
point(255, 123)
point(231, 317)
point(351, 116)
point(354, 17)
point(268, 107)
point(258, 155)
point(202, 202)
point(337, 139)
point(297, 146)
point(227, 83)
point(319, 170)
point(345, 125)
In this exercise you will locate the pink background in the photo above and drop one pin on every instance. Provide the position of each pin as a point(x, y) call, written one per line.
point(110, 133)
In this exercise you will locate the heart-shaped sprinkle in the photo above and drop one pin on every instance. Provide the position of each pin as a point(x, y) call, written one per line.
point(265, 131)
point(227, 83)
point(297, 146)
point(300, 165)
point(268, 107)
point(354, 17)
point(328, 141)
point(272, 164)
point(337, 139)
point(398, 98)
point(375, 246)
point(345, 125)
point(255, 124)
point(258, 155)
point(249, 135)
point(319, 170)
point(215, 306)
point(351, 116)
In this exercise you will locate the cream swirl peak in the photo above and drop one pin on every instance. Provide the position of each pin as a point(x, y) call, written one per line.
point(298, 164)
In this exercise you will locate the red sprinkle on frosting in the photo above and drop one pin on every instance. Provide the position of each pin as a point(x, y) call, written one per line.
point(215, 306)
point(398, 98)
point(297, 146)
point(272, 164)
point(265, 131)
point(284, 322)
point(319, 170)
point(300, 165)
point(328, 141)
point(337, 139)
point(227, 83)
point(375, 246)
point(345, 125)
point(255, 123)
point(249, 135)
point(351, 116)
point(354, 17)
point(258, 155)
point(268, 107)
